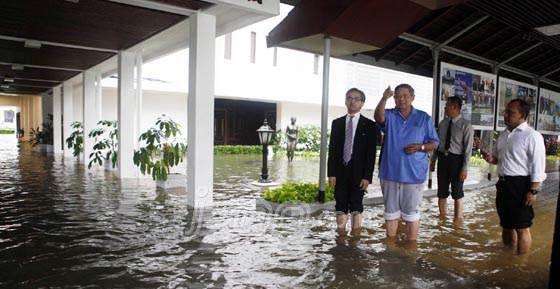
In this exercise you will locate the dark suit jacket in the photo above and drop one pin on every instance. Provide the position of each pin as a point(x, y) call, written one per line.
point(363, 151)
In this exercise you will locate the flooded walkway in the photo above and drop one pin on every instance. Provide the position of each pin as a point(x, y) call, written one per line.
point(61, 226)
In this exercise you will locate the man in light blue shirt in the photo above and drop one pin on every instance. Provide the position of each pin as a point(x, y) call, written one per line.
point(409, 136)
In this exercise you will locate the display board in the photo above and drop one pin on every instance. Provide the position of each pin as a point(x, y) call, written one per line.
point(509, 90)
point(549, 112)
point(477, 89)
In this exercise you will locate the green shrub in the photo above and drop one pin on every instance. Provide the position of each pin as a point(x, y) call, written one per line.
point(478, 161)
point(76, 139)
point(160, 149)
point(7, 131)
point(297, 193)
point(309, 138)
point(237, 149)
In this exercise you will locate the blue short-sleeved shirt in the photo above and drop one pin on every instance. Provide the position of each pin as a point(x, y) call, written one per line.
point(396, 165)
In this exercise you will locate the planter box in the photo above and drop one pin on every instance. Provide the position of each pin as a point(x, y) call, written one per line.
point(293, 210)
point(173, 181)
point(107, 165)
point(44, 148)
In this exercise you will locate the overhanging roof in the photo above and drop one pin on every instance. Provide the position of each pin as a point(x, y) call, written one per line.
point(55, 40)
point(480, 34)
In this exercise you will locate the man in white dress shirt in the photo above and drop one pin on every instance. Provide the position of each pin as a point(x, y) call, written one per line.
point(520, 155)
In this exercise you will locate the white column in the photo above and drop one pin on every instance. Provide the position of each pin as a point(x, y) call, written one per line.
point(324, 119)
point(126, 115)
point(92, 111)
point(138, 98)
point(67, 114)
point(200, 110)
point(57, 119)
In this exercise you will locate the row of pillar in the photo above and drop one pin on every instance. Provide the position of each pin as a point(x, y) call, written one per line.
point(200, 111)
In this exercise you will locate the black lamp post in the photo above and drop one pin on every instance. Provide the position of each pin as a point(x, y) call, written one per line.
point(265, 136)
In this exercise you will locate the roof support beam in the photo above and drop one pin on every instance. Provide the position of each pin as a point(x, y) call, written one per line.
point(430, 43)
point(153, 5)
point(42, 67)
point(448, 40)
point(27, 85)
point(32, 79)
point(458, 34)
point(551, 72)
point(57, 44)
point(519, 54)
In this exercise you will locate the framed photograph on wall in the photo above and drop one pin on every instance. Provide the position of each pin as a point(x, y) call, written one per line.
point(477, 89)
point(509, 90)
point(549, 112)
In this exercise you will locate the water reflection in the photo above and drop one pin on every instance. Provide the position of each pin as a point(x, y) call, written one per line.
point(63, 226)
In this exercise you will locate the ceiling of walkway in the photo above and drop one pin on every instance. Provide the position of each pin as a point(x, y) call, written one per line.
point(480, 34)
point(73, 35)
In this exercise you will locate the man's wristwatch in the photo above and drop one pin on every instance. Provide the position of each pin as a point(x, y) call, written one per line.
point(535, 191)
point(422, 148)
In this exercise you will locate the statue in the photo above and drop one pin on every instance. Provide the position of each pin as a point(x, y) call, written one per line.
point(292, 137)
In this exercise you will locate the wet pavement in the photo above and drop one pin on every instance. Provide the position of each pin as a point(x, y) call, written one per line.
point(63, 226)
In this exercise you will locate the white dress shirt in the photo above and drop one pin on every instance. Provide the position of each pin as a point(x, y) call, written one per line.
point(521, 152)
point(355, 120)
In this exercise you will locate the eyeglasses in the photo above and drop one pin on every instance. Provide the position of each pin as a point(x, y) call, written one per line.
point(349, 98)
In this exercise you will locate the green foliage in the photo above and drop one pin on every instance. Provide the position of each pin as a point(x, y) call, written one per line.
point(7, 131)
point(478, 161)
point(160, 150)
point(309, 138)
point(44, 135)
point(106, 143)
point(76, 139)
point(237, 149)
point(297, 193)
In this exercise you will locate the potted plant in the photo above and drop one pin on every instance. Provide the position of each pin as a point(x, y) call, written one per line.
point(106, 144)
point(42, 139)
point(76, 139)
point(160, 151)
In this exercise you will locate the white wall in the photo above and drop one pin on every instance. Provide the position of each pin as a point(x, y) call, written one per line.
point(78, 103)
point(154, 104)
point(309, 114)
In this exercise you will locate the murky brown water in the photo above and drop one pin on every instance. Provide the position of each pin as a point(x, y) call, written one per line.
point(61, 226)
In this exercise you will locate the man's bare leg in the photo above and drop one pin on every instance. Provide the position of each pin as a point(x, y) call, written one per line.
point(442, 204)
point(509, 237)
point(392, 226)
point(341, 220)
point(356, 224)
point(412, 230)
point(458, 211)
point(524, 240)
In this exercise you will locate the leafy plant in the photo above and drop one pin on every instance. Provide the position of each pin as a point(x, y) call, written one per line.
point(106, 143)
point(161, 150)
point(44, 135)
point(76, 139)
point(309, 138)
point(297, 193)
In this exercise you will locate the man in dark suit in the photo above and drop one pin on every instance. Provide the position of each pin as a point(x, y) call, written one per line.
point(351, 160)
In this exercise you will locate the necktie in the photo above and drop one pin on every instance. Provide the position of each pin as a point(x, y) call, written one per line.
point(348, 141)
point(448, 137)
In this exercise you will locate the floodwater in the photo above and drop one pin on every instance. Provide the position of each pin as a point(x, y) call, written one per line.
point(62, 226)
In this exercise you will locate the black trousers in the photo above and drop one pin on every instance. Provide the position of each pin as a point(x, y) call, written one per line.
point(448, 169)
point(511, 194)
point(347, 193)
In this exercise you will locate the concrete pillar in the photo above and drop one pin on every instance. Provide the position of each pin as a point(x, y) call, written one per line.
point(138, 100)
point(92, 110)
point(126, 115)
point(57, 119)
point(200, 111)
point(68, 114)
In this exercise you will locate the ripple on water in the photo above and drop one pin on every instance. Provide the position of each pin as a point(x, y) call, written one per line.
point(63, 226)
